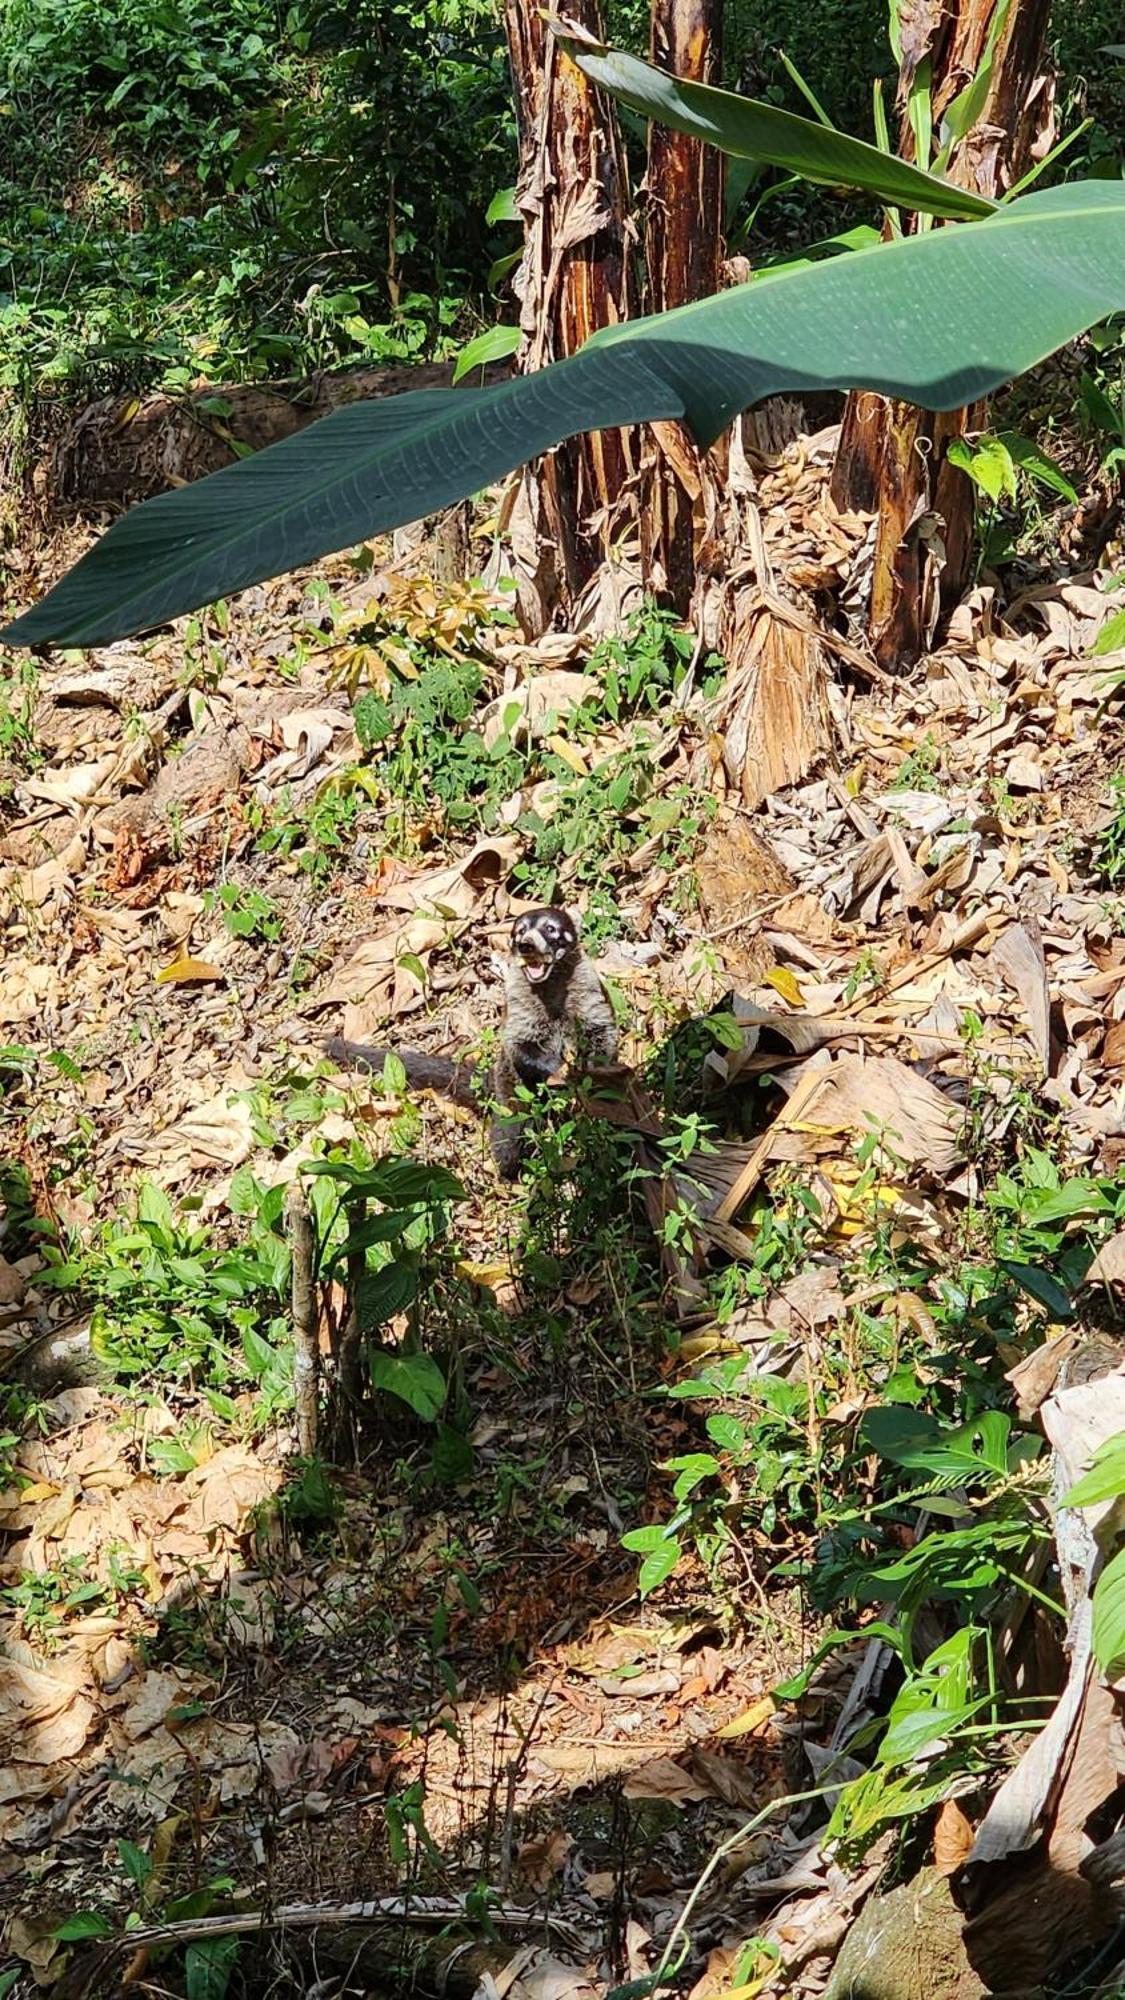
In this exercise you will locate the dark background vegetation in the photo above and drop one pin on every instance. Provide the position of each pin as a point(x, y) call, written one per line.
point(233, 190)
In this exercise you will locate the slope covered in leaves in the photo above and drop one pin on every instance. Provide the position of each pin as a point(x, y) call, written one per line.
point(233, 1683)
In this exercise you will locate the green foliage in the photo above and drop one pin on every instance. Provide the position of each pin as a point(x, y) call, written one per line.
point(1105, 415)
point(44, 1598)
point(994, 464)
point(158, 75)
point(754, 130)
point(166, 168)
point(933, 1502)
point(317, 835)
point(1106, 1478)
point(594, 823)
point(1109, 1617)
point(1109, 850)
point(429, 755)
point(380, 1226)
point(168, 1301)
point(1104, 1481)
point(246, 913)
point(647, 663)
point(18, 691)
point(429, 765)
point(208, 1963)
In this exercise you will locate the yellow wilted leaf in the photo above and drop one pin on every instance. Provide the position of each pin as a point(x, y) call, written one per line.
point(488, 1275)
point(185, 971)
point(569, 755)
point(164, 1839)
point(707, 1343)
point(751, 1718)
point(30, 1496)
point(785, 982)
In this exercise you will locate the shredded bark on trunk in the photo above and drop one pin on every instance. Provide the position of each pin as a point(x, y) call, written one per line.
point(683, 259)
point(574, 279)
point(893, 458)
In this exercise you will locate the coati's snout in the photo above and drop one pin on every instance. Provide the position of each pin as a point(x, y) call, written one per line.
point(542, 940)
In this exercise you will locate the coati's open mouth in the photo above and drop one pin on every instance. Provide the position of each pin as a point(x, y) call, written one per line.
point(542, 940)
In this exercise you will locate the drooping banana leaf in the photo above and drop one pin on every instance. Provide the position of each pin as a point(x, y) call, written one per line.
point(751, 130)
point(939, 319)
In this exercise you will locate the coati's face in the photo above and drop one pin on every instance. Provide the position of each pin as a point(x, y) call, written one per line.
point(542, 940)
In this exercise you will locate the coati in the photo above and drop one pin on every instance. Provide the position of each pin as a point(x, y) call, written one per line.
point(551, 993)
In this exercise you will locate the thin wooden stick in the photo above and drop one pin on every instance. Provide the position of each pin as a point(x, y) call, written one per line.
point(305, 1355)
point(408, 1910)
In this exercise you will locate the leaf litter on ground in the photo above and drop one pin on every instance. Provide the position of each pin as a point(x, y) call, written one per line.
point(927, 860)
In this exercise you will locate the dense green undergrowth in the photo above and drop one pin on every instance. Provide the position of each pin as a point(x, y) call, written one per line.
point(192, 192)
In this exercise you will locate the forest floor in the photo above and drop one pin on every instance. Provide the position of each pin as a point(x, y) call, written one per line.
point(234, 1683)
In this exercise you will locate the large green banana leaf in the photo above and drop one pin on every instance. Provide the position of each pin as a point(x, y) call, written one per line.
point(938, 319)
point(756, 131)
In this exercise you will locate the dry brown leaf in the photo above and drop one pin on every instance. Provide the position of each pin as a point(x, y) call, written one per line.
point(1019, 956)
point(637, 1942)
point(43, 1718)
point(54, 878)
point(663, 1778)
point(230, 1486)
point(1034, 1378)
point(540, 1861)
point(765, 1032)
point(1108, 1267)
point(27, 990)
point(591, 1763)
point(733, 1782)
point(454, 891)
point(12, 1284)
point(715, 1981)
point(1113, 1048)
point(373, 965)
point(73, 786)
point(527, 710)
point(147, 1771)
point(159, 1693)
point(601, 1885)
point(662, 1680)
point(550, 1979)
point(858, 1095)
point(297, 1765)
point(218, 1132)
point(250, 1617)
point(953, 1838)
point(244, 1751)
point(32, 1940)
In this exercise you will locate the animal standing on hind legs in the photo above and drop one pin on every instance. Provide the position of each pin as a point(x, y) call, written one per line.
point(552, 996)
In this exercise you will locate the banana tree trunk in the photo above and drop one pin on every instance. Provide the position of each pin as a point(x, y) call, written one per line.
point(683, 260)
point(575, 277)
point(892, 459)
